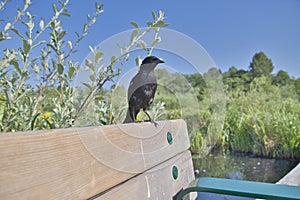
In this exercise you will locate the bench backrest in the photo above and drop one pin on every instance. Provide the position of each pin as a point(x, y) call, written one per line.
point(125, 161)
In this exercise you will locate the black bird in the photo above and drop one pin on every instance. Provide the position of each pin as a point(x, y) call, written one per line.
point(142, 89)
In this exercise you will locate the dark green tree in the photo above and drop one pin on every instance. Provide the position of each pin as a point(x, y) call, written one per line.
point(199, 85)
point(235, 78)
point(281, 78)
point(261, 65)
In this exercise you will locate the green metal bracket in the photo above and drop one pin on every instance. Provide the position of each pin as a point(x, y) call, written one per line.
point(243, 189)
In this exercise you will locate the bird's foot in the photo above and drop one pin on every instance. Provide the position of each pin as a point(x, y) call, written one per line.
point(152, 121)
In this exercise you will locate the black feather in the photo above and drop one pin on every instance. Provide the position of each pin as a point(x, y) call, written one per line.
point(142, 89)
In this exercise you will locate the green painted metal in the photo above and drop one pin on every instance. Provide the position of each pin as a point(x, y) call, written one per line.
point(175, 172)
point(243, 189)
point(169, 137)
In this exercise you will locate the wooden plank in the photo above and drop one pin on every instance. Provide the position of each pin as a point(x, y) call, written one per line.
point(156, 183)
point(78, 163)
point(292, 178)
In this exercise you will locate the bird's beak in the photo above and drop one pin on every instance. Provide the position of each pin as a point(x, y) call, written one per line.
point(161, 60)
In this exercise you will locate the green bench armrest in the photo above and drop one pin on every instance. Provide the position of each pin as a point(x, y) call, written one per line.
point(243, 189)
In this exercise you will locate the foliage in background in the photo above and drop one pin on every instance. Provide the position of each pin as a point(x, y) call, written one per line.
point(264, 121)
point(36, 91)
point(263, 111)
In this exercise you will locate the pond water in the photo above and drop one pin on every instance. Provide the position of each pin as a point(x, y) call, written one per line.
point(242, 167)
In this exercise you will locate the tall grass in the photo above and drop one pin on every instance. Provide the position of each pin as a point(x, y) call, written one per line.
point(263, 122)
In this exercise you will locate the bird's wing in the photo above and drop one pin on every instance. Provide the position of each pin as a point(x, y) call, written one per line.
point(136, 97)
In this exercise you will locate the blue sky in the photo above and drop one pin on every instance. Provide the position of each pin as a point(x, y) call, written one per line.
point(231, 31)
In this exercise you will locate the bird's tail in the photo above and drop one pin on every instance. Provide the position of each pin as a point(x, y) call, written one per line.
point(128, 118)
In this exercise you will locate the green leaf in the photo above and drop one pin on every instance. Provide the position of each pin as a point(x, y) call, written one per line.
point(97, 6)
point(161, 23)
point(92, 77)
point(65, 13)
point(53, 24)
point(98, 56)
point(26, 47)
point(138, 61)
point(54, 8)
point(142, 44)
point(3, 74)
point(71, 71)
point(2, 36)
point(85, 27)
point(16, 65)
point(133, 35)
point(135, 25)
point(29, 16)
point(100, 8)
point(60, 68)
point(33, 121)
point(8, 96)
point(99, 98)
point(61, 35)
point(51, 125)
point(89, 64)
point(39, 43)
point(18, 33)
point(51, 46)
point(150, 24)
point(113, 59)
point(154, 16)
point(103, 122)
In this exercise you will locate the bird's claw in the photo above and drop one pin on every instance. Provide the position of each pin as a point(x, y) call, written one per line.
point(152, 121)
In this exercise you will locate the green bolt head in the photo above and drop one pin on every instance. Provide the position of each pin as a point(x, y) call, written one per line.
point(169, 138)
point(175, 172)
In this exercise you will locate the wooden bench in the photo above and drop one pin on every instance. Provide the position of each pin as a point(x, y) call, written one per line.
point(126, 161)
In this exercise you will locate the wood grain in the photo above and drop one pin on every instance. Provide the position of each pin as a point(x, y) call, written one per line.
point(156, 183)
point(78, 163)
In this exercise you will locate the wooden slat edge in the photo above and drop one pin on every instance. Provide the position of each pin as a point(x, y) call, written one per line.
point(292, 178)
point(156, 183)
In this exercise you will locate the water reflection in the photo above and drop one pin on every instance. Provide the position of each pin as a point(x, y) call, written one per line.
point(240, 167)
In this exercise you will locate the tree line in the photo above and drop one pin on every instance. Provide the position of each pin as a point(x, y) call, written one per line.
point(262, 108)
